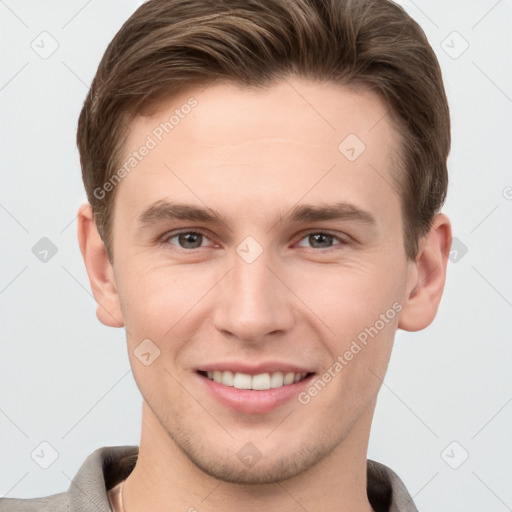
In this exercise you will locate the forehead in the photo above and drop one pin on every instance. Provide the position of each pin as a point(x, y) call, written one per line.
point(294, 138)
point(329, 109)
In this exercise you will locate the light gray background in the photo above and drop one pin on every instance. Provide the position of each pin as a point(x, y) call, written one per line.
point(65, 378)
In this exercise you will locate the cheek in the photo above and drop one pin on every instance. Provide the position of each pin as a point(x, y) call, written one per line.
point(352, 296)
point(360, 305)
point(160, 308)
point(156, 300)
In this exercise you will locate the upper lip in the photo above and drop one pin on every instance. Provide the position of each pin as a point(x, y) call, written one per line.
point(254, 369)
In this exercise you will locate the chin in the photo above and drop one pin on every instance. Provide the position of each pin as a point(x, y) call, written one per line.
point(232, 465)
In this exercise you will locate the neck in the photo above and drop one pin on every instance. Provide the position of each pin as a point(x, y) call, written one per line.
point(165, 479)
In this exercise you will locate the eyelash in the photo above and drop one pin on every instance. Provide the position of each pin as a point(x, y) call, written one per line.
point(169, 236)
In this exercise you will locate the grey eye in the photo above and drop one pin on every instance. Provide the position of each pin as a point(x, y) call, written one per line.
point(188, 240)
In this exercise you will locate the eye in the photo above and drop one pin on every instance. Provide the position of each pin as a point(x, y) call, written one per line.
point(195, 240)
point(186, 239)
point(321, 240)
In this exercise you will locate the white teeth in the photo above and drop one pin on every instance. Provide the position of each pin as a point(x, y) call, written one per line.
point(261, 381)
point(228, 378)
point(258, 382)
point(242, 381)
point(288, 378)
point(276, 380)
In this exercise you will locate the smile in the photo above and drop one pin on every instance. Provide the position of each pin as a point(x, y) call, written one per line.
point(259, 382)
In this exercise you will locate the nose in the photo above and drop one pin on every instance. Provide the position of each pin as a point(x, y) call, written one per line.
point(254, 300)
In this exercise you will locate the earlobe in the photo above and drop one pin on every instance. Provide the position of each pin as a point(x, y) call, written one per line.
point(429, 271)
point(99, 269)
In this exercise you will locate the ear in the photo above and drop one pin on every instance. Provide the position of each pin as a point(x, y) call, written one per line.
point(99, 269)
point(428, 274)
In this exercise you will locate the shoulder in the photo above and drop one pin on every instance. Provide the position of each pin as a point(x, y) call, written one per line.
point(386, 490)
point(88, 491)
point(55, 503)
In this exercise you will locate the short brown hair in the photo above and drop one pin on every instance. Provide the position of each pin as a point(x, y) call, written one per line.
point(166, 46)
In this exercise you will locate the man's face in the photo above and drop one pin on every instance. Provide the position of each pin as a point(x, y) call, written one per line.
point(262, 293)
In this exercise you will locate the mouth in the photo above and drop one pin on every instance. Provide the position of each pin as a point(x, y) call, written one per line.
point(258, 382)
point(258, 392)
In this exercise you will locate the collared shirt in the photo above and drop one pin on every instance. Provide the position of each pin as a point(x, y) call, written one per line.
point(106, 468)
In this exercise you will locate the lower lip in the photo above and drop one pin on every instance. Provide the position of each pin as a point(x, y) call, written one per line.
point(252, 401)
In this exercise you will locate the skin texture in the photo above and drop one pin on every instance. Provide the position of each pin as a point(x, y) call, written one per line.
point(252, 155)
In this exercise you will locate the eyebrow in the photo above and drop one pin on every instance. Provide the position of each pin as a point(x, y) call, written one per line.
point(164, 210)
